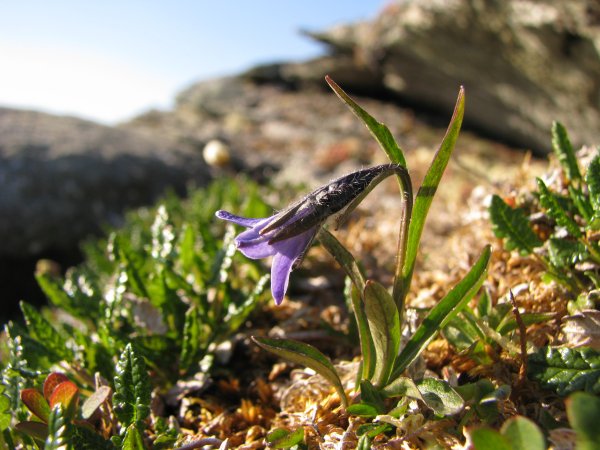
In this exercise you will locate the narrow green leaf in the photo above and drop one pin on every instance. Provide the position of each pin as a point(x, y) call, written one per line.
point(564, 151)
point(380, 132)
point(553, 208)
point(131, 399)
point(43, 332)
point(513, 226)
point(384, 325)
point(509, 323)
point(364, 443)
point(53, 289)
point(583, 411)
point(5, 415)
point(345, 259)
point(282, 438)
point(566, 370)
point(582, 202)
point(306, 355)
point(237, 314)
point(58, 431)
point(440, 397)
point(485, 438)
point(371, 396)
point(133, 439)
point(441, 314)
point(363, 410)
point(190, 345)
point(592, 179)
point(429, 187)
point(523, 434)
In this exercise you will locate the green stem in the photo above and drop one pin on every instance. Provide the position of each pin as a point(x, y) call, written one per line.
point(401, 284)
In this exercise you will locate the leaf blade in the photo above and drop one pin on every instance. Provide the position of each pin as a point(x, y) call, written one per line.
point(306, 355)
point(441, 314)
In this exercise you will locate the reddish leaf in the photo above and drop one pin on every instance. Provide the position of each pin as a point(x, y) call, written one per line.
point(36, 403)
point(53, 380)
point(36, 430)
point(67, 394)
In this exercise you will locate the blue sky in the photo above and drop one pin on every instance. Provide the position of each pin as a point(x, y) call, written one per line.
point(109, 60)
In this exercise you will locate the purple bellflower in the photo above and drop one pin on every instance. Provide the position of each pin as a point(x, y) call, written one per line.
point(288, 234)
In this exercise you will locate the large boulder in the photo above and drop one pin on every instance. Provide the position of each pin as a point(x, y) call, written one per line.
point(523, 63)
point(63, 178)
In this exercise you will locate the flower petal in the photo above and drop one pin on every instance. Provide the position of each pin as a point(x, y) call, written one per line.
point(287, 252)
point(257, 249)
point(243, 221)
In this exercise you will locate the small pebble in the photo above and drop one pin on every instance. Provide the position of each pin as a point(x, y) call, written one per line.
point(216, 153)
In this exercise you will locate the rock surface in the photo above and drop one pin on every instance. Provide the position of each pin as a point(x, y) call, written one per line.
point(523, 63)
point(63, 178)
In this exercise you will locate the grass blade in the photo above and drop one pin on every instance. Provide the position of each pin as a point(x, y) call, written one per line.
point(428, 189)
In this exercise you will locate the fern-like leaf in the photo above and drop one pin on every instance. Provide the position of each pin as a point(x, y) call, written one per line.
point(564, 151)
point(549, 201)
point(566, 370)
point(592, 179)
point(132, 389)
point(512, 225)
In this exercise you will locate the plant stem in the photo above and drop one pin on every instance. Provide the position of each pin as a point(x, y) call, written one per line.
point(400, 282)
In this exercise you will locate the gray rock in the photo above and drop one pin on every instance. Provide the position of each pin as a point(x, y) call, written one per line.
point(523, 63)
point(63, 178)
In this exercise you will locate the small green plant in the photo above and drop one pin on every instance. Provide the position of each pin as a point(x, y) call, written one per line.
point(378, 311)
point(569, 210)
point(164, 286)
point(482, 331)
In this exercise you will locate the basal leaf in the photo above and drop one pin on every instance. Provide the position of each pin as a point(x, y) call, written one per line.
point(440, 397)
point(592, 179)
point(380, 132)
point(566, 370)
point(306, 355)
point(131, 399)
point(282, 438)
point(402, 387)
point(523, 434)
point(441, 314)
point(583, 411)
point(564, 151)
point(43, 332)
point(512, 225)
point(565, 253)
point(363, 410)
point(133, 439)
point(190, 345)
point(485, 438)
point(549, 201)
point(384, 326)
point(429, 187)
point(582, 202)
